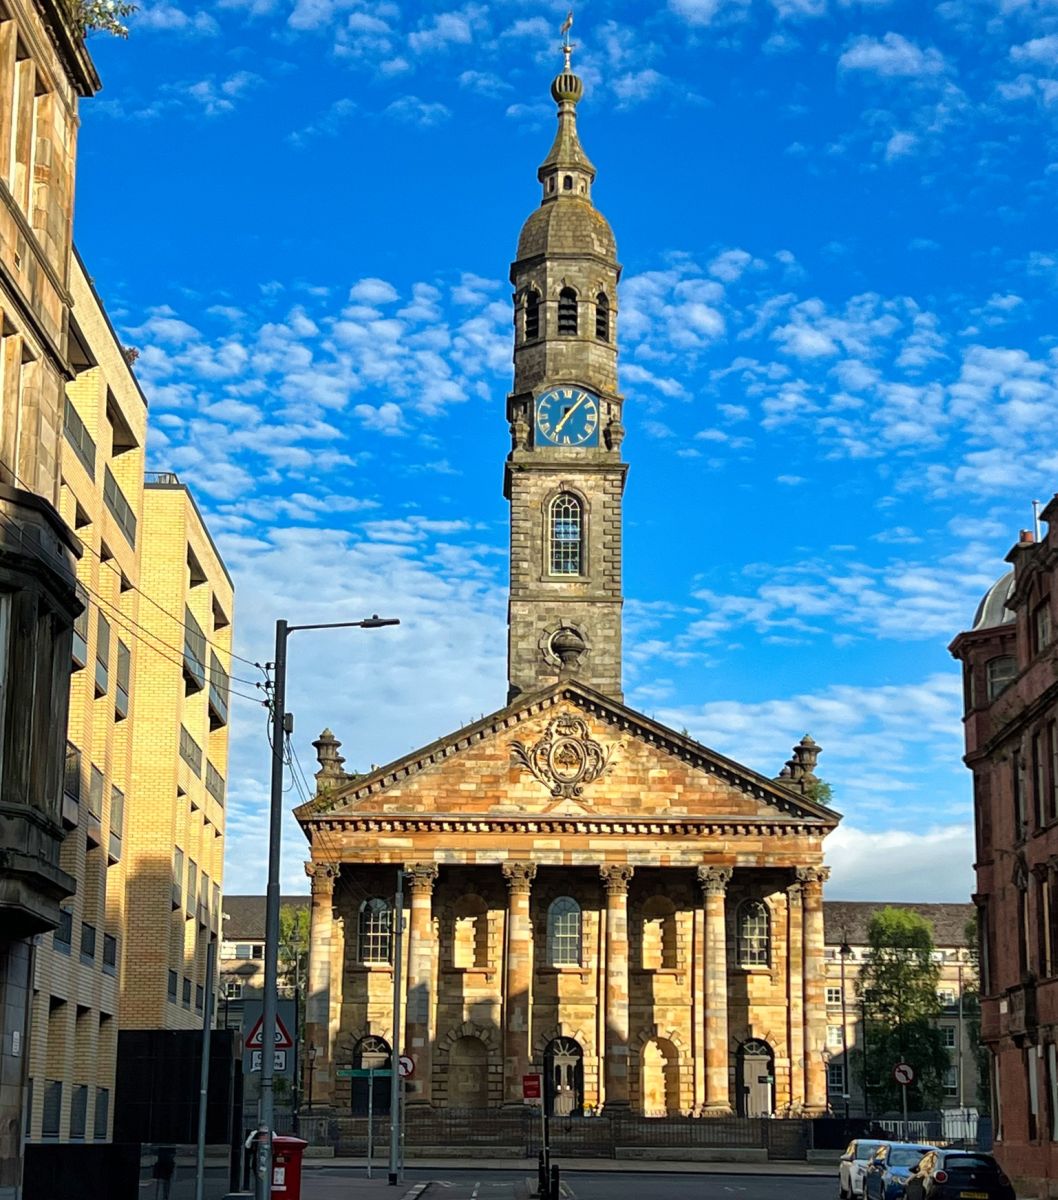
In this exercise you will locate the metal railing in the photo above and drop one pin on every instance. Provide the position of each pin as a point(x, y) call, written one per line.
point(215, 784)
point(190, 751)
point(194, 652)
point(79, 438)
point(120, 509)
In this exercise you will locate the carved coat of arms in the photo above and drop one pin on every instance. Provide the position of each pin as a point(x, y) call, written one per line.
point(565, 758)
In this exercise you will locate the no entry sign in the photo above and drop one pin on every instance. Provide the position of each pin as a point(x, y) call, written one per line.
point(531, 1089)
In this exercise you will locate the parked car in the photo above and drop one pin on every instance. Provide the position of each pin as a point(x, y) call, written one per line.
point(887, 1172)
point(958, 1175)
point(852, 1166)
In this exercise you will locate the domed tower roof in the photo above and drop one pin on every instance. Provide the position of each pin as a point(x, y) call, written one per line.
point(566, 219)
point(993, 611)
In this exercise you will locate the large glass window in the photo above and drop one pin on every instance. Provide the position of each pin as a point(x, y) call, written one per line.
point(1001, 672)
point(754, 936)
point(375, 931)
point(563, 933)
point(566, 535)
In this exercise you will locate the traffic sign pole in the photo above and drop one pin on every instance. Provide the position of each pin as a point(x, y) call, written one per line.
point(904, 1074)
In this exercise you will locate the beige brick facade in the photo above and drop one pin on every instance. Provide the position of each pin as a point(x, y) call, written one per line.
point(592, 895)
point(129, 798)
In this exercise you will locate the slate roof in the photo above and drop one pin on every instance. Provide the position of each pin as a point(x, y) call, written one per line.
point(847, 920)
point(244, 916)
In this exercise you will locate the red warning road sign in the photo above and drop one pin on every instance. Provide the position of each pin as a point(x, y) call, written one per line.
point(530, 1087)
point(283, 1040)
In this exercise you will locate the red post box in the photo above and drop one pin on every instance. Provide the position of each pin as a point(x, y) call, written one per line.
point(286, 1166)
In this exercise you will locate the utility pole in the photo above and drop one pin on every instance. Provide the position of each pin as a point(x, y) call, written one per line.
point(280, 727)
point(398, 1037)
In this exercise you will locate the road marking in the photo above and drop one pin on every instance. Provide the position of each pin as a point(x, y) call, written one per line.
point(474, 1193)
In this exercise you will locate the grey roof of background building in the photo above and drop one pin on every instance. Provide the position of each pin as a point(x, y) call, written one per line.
point(847, 920)
point(993, 611)
point(244, 916)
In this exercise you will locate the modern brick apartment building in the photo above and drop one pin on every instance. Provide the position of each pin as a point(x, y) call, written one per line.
point(1010, 671)
point(149, 688)
point(44, 72)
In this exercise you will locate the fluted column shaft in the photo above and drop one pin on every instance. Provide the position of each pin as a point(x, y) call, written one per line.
point(795, 993)
point(419, 1011)
point(815, 1009)
point(615, 877)
point(519, 981)
point(714, 881)
point(318, 993)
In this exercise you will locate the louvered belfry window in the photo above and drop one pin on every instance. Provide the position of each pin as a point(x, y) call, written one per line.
point(567, 312)
point(532, 315)
point(602, 318)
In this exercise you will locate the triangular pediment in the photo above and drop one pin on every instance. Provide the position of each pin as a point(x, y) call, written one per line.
point(567, 750)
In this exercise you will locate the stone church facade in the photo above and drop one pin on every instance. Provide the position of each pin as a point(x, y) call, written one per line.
point(589, 893)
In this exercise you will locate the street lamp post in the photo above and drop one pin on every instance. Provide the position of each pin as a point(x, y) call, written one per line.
point(844, 953)
point(275, 831)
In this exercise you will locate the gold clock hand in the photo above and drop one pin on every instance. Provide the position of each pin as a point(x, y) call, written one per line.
point(569, 413)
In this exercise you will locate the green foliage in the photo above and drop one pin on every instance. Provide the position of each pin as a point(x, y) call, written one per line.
point(293, 944)
point(104, 16)
point(898, 987)
point(971, 1007)
point(820, 792)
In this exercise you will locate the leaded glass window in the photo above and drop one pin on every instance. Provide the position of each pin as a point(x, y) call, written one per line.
point(563, 933)
point(375, 931)
point(566, 535)
point(754, 938)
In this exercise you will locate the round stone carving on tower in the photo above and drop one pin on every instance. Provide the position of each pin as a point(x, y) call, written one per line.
point(993, 611)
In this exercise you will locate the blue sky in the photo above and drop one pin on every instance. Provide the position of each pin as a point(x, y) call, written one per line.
point(836, 324)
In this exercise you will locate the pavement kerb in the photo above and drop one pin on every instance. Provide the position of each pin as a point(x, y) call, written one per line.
point(415, 1192)
point(627, 1166)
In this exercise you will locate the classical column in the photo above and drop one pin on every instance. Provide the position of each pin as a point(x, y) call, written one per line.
point(418, 1014)
point(815, 1010)
point(795, 993)
point(714, 881)
point(615, 877)
point(518, 986)
point(318, 993)
point(698, 1006)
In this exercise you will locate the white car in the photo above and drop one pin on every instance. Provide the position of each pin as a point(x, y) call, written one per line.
point(852, 1167)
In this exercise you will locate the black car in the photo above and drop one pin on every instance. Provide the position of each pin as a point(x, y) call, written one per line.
point(958, 1175)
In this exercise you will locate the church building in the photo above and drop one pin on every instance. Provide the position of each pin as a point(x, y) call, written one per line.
point(591, 895)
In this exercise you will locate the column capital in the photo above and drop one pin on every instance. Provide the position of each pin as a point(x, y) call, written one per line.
point(421, 877)
point(714, 880)
point(795, 892)
point(810, 875)
point(519, 876)
point(616, 877)
point(323, 875)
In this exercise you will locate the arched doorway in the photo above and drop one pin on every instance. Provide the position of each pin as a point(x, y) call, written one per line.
point(468, 1074)
point(755, 1078)
point(659, 1079)
point(370, 1053)
point(564, 1077)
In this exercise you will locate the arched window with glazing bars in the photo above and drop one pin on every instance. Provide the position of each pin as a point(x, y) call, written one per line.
point(754, 934)
point(563, 933)
point(566, 535)
point(375, 932)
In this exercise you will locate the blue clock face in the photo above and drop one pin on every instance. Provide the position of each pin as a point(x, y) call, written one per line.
point(567, 416)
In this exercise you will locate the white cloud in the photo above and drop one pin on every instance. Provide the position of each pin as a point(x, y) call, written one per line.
point(892, 57)
point(934, 864)
point(418, 112)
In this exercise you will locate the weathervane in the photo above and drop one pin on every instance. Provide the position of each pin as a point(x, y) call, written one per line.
point(567, 46)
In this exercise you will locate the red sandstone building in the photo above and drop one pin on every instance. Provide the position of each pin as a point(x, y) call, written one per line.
point(1010, 670)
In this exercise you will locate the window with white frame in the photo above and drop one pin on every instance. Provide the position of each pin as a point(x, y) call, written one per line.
point(232, 990)
point(946, 997)
point(754, 934)
point(834, 997)
point(836, 1078)
point(375, 932)
point(947, 1033)
point(834, 1037)
point(951, 1081)
point(563, 933)
point(566, 535)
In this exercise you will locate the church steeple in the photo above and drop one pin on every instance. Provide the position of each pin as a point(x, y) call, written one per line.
point(564, 476)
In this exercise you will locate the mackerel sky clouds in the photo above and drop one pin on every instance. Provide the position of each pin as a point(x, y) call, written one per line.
point(837, 325)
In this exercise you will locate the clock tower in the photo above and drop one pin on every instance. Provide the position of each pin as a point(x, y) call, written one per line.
point(564, 476)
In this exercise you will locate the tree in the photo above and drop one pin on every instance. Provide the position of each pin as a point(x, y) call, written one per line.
point(106, 16)
point(820, 791)
point(898, 990)
point(293, 945)
point(971, 1008)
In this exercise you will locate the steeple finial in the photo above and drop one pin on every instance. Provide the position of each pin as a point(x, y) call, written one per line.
point(567, 45)
point(567, 170)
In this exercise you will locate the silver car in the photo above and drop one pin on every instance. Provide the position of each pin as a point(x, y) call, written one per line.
point(852, 1167)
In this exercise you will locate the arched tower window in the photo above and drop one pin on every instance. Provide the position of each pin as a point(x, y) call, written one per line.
point(563, 933)
point(374, 932)
point(567, 183)
point(566, 535)
point(567, 312)
point(602, 318)
point(754, 934)
point(532, 315)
